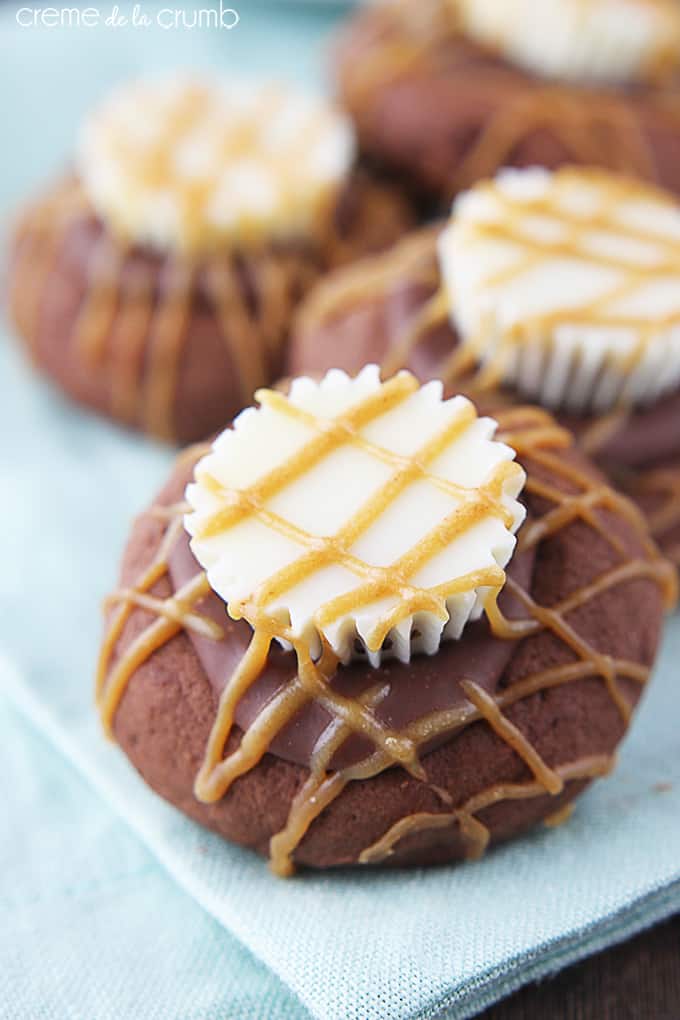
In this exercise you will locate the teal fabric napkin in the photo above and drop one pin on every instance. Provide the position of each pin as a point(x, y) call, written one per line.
point(92, 927)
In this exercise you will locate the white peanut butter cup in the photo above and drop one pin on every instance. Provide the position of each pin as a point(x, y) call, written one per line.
point(372, 518)
point(579, 40)
point(196, 162)
point(566, 285)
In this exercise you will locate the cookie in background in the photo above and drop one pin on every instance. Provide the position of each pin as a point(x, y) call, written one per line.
point(156, 282)
point(560, 288)
point(448, 91)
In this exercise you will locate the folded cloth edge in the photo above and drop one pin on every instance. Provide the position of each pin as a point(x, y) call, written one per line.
point(474, 997)
point(470, 998)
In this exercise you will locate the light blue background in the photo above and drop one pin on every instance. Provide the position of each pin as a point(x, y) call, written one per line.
point(92, 925)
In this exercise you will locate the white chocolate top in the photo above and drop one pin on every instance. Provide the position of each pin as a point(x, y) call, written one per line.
point(375, 516)
point(195, 163)
point(579, 40)
point(567, 285)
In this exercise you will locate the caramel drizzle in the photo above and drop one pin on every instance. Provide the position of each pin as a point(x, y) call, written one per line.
point(470, 365)
point(539, 328)
point(537, 440)
point(413, 263)
point(152, 166)
point(142, 334)
point(594, 127)
point(596, 436)
point(373, 274)
point(475, 833)
point(378, 581)
point(559, 817)
point(134, 318)
point(663, 486)
point(39, 249)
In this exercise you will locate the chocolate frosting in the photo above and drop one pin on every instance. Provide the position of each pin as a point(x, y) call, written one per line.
point(426, 684)
point(644, 437)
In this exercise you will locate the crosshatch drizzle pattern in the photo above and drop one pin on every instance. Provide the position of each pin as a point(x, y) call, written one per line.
point(630, 275)
point(413, 264)
point(490, 499)
point(539, 443)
